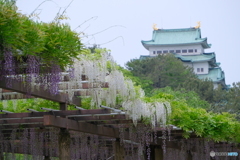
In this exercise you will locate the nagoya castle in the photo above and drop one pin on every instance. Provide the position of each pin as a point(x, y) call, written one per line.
point(187, 45)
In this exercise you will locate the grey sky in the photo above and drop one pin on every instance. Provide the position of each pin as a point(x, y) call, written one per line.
point(220, 23)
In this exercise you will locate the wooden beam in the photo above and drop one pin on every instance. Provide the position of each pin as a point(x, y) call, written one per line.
point(101, 118)
point(18, 126)
point(115, 122)
point(50, 120)
point(19, 86)
point(55, 113)
point(15, 95)
point(21, 121)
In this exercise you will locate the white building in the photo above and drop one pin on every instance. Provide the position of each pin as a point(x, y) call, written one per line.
point(187, 45)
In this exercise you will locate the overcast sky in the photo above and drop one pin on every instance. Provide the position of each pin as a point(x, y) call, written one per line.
point(130, 21)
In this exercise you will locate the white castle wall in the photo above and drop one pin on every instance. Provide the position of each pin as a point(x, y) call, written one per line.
point(201, 67)
point(154, 49)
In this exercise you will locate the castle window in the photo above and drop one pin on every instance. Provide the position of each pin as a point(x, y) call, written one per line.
point(178, 51)
point(190, 51)
point(165, 51)
point(184, 51)
point(195, 50)
point(154, 52)
point(171, 51)
point(201, 69)
point(159, 52)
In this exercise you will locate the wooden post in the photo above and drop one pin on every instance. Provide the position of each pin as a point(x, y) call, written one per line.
point(47, 158)
point(64, 139)
point(1, 156)
point(1, 150)
point(189, 155)
point(63, 106)
point(158, 153)
point(119, 151)
point(64, 144)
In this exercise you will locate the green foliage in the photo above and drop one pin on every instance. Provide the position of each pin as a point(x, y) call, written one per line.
point(190, 97)
point(227, 100)
point(163, 70)
point(95, 54)
point(189, 114)
point(22, 105)
point(145, 84)
point(233, 98)
point(93, 49)
point(159, 97)
point(53, 42)
point(9, 24)
point(216, 126)
point(167, 70)
point(86, 102)
point(61, 45)
point(204, 88)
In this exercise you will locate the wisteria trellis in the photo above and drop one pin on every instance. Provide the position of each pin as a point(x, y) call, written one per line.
point(86, 146)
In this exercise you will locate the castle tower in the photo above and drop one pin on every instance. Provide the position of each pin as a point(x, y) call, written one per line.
point(187, 45)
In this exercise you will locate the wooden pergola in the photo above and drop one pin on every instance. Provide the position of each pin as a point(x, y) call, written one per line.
point(110, 126)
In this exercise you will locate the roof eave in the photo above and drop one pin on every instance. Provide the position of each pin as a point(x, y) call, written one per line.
point(143, 42)
point(145, 45)
point(204, 43)
point(183, 60)
point(210, 59)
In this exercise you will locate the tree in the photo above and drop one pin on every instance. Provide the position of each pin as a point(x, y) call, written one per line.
point(204, 88)
point(163, 70)
point(227, 100)
point(166, 70)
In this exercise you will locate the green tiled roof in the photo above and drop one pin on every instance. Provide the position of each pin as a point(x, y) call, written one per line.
point(176, 36)
point(215, 74)
point(210, 57)
point(142, 57)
